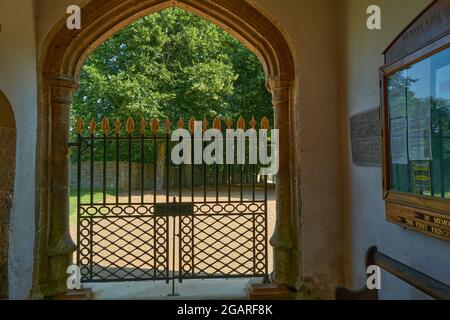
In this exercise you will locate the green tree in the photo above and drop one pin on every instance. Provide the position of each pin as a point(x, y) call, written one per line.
point(172, 64)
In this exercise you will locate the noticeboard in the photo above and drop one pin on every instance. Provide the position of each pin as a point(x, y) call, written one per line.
point(416, 124)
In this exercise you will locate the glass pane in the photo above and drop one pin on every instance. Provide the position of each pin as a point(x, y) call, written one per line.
point(419, 122)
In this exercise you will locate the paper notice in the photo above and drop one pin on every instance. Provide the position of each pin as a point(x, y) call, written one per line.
point(443, 86)
point(399, 146)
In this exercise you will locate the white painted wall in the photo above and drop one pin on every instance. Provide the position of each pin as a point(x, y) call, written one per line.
point(18, 82)
point(361, 56)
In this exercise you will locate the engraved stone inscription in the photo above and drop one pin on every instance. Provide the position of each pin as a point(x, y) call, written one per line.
point(365, 131)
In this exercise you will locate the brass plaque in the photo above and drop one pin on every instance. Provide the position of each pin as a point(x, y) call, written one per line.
point(428, 222)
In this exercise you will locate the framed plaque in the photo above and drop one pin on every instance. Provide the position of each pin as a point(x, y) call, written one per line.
point(415, 96)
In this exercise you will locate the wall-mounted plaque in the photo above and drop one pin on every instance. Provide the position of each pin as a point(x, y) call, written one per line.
point(365, 132)
point(416, 124)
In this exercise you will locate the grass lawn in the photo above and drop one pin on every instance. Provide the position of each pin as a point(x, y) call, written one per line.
point(85, 198)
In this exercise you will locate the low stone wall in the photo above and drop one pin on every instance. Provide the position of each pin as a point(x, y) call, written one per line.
point(148, 176)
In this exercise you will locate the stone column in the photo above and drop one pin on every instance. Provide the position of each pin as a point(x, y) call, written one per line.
point(282, 240)
point(60, 244)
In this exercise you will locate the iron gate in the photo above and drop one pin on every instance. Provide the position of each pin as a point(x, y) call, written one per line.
point(139, 217)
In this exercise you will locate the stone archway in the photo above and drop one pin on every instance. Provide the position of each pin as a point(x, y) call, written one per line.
point(63, 55)
point(7, 174)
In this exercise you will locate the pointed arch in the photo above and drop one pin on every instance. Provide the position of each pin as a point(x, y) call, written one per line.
point(63, 54)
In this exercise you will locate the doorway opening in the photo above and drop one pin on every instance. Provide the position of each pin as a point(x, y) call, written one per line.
point(64, 53)
point(161, 73)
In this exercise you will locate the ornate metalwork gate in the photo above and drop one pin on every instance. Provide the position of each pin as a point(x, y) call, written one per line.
point(139, 217)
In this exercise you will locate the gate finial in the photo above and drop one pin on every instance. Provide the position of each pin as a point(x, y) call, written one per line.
point(130, 125)
point(92, 126)
point(229, 123)
point(265, 123)
point(105, 125)
point(241, 123)
point(117, 126)
point(253, 123)
point(205, 124)
point(79, 126)
point(180, 123)
point(143, 125)
point(155, 125)
point(217, 124)
point(168, 125)
point(192, 125)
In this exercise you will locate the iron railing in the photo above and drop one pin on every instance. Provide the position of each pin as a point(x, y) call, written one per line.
point(216, 230)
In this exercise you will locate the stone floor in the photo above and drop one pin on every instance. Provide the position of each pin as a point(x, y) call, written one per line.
point(211, 289)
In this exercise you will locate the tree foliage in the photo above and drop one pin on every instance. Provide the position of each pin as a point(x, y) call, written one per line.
point(172, 64)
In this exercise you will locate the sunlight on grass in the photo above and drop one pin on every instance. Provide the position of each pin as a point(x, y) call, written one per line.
point(85, 198)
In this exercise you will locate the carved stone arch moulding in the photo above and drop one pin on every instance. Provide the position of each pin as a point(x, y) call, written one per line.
point(7, 174)
point(61, 58)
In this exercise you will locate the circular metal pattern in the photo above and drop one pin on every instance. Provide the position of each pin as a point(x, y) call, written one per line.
point(259, 228)
point(260, 238)
point(241, 208)
point(217, 208)
point(84, 232)
point(161, 250)
point(187, 268)
point(104, 210)
point(260, 219)
point(84, 251)
point(161, 222)
point(186, 229)
point(253, 207)
point(229, 208)
point(91, 211)
point(187, 249)
point(129, 210)
point(84, 223)
point(142, 210)
point(186, 220)
point(260, 247)
point(117, 210)
point(161, 240)
point(84, 261)
point(205, 208)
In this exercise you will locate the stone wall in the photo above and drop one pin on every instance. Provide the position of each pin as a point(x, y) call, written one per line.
point(148, 176)
point(7, 175)
point(365, 220)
